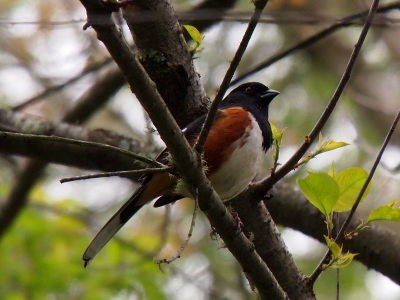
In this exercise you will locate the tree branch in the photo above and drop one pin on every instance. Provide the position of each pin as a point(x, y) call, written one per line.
point(259, 225)
point(340, 236)
point(187, 164)
point(266, 184)
point(259, 7)
point(97, 95)
point(373, 244)
point(119, 173)
point(55, 89)
point(377, 246)
point(281, 263)
point(166, 58)
point(199, 15)
point(33, 144)
point(344, 22)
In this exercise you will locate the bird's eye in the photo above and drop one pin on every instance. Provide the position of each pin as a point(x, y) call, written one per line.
point(249, 91)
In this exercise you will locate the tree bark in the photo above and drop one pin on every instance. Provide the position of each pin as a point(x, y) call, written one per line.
point(288, 207)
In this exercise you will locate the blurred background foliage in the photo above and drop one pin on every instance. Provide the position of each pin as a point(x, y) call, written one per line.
point(43, 46)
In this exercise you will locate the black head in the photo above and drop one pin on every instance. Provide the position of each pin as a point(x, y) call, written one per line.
point(251, 95)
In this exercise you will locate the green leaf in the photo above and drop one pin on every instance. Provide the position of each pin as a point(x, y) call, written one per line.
point(386, 212)
point(335, 249)
point(343, 260)
point(321, 190)
point(323, 146)
point(350, 182)
point(320, 140)
point(338, 260)
point(331, 171)
point(274, 130)
point(277, 134)
point(194, 34)
point(331, 145)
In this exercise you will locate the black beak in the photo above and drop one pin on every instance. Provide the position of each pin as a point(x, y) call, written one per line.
point(270, 94)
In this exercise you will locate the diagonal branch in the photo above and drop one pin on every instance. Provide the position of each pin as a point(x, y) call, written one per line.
point(374, 244)
point(98, 94)
point(378, 246)
point(55, 89)
point(199, 16)
point(267, 183)
point(166, 58)
point(183, 156)
point(345, 225)
point(328, 111)
point(344, 22)
point(268, 242)
point(259, 6)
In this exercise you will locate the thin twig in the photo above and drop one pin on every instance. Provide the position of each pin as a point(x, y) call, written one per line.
point(163, 230)
point(336, 221)
point(338, 284)
point(344, 22)
point(353, 57)
point(346, 222)
point(57, 139)
point(54, 89)
point(190, 233)
point(118, 173)
point(268, 182)
point(212, 15)
point(199, 147)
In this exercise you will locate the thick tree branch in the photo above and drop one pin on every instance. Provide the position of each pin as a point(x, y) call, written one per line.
point(186, 162)
point(166, 58)
point(373, 244)
point(113, 79)
point(97, 95)
point(256, 271)
point(281, 263)
point(61, 150)
point(259, 225)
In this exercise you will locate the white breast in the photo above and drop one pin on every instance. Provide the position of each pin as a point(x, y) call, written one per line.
point(243, 164)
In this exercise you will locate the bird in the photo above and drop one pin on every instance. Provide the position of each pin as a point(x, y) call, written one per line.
point(235, 147)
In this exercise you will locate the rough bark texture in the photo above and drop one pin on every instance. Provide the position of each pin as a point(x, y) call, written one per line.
point(166, 58)
point(261, 229)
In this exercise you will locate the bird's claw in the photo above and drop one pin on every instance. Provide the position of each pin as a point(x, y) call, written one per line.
point(239, 224)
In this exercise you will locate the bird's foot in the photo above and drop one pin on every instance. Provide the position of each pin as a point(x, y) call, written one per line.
point(267, 196)
point(239, 224)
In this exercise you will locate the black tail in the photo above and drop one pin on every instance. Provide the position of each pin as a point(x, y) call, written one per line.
point(127, 211)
